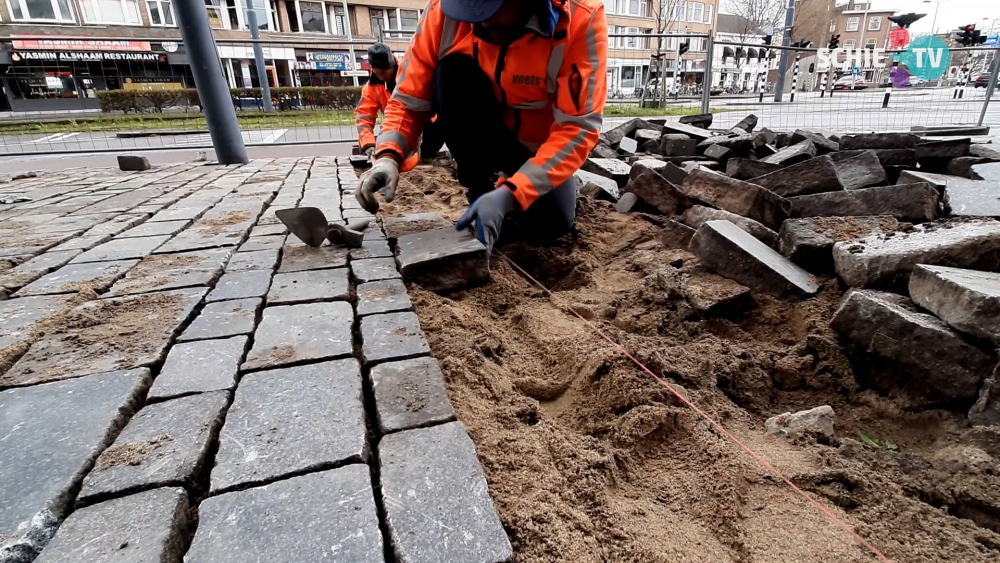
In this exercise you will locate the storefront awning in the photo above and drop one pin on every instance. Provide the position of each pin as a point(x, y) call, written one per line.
point(740, 53)
point(752, 53)
point(727, 53)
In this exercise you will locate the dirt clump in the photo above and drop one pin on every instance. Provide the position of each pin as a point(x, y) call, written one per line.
point(135, 453)
point(588, 458)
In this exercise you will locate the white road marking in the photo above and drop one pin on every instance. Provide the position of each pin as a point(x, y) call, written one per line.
point(57, 138)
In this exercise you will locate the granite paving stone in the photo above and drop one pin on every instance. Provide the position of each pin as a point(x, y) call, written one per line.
point(171, 271)
point(968, 300)
point(435, 471)
point(122, 249)
point(308, 286)
point(392, 336)
point(396, 227)
point(295, 333)
point(152, 229)
point(325, 516)
point(19, 319)
point(297, 257)
point(72, 278)
point(374, 269)
point(384, 296)
point(254, 260)
point(410, 394)
point(180, 212)
point(85, 242)
point(241, 285)
point(223, 318)
point(50, 443)
point(290, 420)
point(371, 249)
point(199, 366)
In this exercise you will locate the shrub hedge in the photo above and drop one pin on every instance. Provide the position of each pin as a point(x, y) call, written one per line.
point(155, 101)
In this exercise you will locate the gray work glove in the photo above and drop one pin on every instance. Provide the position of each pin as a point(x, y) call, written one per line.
point(488, 211)
point(370, 152)
point(383, 174)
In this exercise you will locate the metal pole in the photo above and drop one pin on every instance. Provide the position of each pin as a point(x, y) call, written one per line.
point(989, 90)
point(216, 101)
point(258, 57)
point(677, 70)
point(706, 83)
point(795, 77)
point(350, 46)
point(786, 40)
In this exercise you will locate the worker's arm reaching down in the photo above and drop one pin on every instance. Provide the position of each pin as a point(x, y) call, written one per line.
point(365, 116)
point(375, 94)
point(519, 89)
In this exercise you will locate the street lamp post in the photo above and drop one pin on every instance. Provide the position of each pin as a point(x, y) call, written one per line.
point(937, 5)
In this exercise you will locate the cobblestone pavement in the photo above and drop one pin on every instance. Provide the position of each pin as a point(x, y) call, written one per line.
point(182, 380)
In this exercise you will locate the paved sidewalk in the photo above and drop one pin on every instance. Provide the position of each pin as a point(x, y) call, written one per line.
point(181, 379)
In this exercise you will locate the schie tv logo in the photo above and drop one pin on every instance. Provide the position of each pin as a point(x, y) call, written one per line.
point(926, 57)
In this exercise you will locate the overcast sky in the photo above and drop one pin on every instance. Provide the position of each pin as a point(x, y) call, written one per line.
point(951, 14)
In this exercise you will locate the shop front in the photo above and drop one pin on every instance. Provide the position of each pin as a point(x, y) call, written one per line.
point(325, 69)
point(240, 68)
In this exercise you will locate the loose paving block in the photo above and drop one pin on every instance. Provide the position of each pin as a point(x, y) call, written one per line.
point(241, 285)
point(885, 262)
point(613, 169)
point(986, 410)
point(744, 168)
point(939, 181)
point(689, 130)
point(816, 175)
point(643, 164)
point(678, 147)
point(968, 300)
point(132, 162)
point(155, 229)
point(900, 349)
point(396, 227)
point(911, 202)
point(169, 271)
point(897, 157)
point(290, 420)
point(655, 190)
point(200, 366)
point(602, 150)
point(384, 296)
point(311, 285)
point(676, 235)
point(294, 333)
point(628, 146)
point(736, 196)
point(254, 244)
point(965, 166)
point(823, 145)
point(879, 141)
point(966, 198)
point(595, 186)
point(122, 249)
point(861, 171)
point(299, 257)
point(437, 260)
point(702, 120)
point(719, 153)
point(256, 260)
point(410, 394)
point(731, 252)
point(71, 278)
point(392, 336)
point(329, 515)
point(951, 148)
point(149, 526)
point(371, 249)
point(809, 242)
point(626, 202)
point(792, 154)
point(435, 471)
point(699, 215)
point(50, 443)
point(165, 444)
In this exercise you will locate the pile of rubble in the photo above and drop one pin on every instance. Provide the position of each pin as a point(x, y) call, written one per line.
point(908, 224)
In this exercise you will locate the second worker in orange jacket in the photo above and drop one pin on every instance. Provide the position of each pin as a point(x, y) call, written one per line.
point(519, 90)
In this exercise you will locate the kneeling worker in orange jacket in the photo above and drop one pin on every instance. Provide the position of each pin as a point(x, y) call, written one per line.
point(519, 89)
point(375, 94)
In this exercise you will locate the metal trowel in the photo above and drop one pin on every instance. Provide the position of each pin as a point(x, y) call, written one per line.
point(351, 235)
point(307, 223)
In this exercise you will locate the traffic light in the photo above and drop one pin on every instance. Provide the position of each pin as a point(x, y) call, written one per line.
point(977, 37)
point(684, 47)
point(905, 20)
point(834, 41)
point(966, 34)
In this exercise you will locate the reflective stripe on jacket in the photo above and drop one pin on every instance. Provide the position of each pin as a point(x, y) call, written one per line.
point(552, 89)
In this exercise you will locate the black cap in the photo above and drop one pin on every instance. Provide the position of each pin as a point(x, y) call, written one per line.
point(471, 11)
point(380, 56)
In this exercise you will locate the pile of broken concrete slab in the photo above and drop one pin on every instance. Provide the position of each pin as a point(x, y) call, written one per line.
point(907, 223)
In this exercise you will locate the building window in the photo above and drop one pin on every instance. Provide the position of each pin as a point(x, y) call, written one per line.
point(338, 20)
point(833, 27)
point(160, 12)
point(708, 13)
point(41, 10)
point(871, 43)
point(311, 17)
point(875, 23)
point(696, 12)
point(263, 21)
point(637, 8)
point(852, 24)
point(378, 21)
point(393, 20)
point(216, 15)
point(680, 11)
point(408, 19)
point(111, 11)
point(849, 44)
point(275, 20)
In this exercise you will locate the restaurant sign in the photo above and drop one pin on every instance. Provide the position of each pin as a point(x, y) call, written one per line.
point(43, 43)
point(54, 56)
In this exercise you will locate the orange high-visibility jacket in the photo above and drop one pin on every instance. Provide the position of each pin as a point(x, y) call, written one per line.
point(374, 98)
point(553, 90)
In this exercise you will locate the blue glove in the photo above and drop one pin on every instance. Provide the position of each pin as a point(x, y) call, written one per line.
point(488, 211)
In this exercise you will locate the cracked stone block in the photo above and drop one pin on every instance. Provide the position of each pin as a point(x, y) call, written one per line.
point(900, 350)
point(71, 278)
point(861, 171)
point(374, 269)
point(885, 262)
point(241, 285)
point(816, 175)
point(122, 249)
point(328, 515)
point(165, 444)
point(655, 190)
point(371, 249)
point(968, 300)
point(171, 271)
point(437, 260)
point(134, 163)
point(200, 366)
point(253, 244)
point(50, 444)
point(909, 202)
point(392, 336)
point(792, 154)
point(106, 335)
point(222, 319)
point(736, 196)
point(823, 145)
point(299, 257)
point(879, 141)
point(436, 471)
point(410, 394)
point(155, 229)
point(255, 260)
point(290, 420)
point(308, 286)
point(149, 526)
point(731, 252)
point(699, 215)
point(384, 296)
point(676, 235)
point(809, 242)
point(295, 333)
point(745, 169)
point(396, 227)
